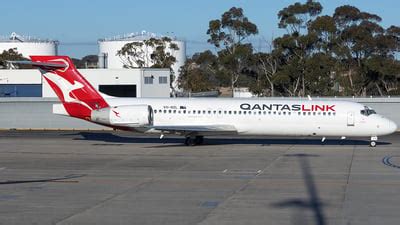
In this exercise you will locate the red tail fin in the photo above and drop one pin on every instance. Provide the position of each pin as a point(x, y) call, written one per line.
point(74, 91)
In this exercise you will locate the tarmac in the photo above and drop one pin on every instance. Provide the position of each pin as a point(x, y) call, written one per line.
point(87, 177)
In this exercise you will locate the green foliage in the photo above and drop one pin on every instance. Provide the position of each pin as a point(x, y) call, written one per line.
point(88, 61)
point(11, 55)
point(199, 73)
point(346, 53)
point(152, 52)
point(229, 34)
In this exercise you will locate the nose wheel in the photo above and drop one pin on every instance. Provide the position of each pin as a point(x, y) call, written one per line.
point(372, 143)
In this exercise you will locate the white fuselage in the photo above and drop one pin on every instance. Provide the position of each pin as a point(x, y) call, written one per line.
point(267, 117)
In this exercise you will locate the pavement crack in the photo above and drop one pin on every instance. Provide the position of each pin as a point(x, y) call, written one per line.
point(344, 199)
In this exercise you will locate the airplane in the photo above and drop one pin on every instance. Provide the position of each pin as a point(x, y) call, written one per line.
point(195, 118)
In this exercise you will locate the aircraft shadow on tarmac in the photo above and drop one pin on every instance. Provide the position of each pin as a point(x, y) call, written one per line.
point(114, 138)
point(300, 205)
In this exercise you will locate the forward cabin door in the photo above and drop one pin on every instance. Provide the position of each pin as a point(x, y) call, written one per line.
point(350, 118)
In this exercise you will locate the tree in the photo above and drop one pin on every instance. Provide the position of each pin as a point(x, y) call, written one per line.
point(199, 73)
point(296, 17)
point(267, 65)
point(11, 55)
point(295, 46)
point(363, 45)
point(228, 34)
point(88, 61)
point(153, 52)
point(346, 53)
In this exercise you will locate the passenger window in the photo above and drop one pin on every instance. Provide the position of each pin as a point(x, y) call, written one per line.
point(174, 111)
point(230, 112)
point(184, 111)
point(165, 111)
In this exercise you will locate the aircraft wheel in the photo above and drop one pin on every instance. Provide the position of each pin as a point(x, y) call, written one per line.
point(189, 141)
point(372, 143)
point(199, 140)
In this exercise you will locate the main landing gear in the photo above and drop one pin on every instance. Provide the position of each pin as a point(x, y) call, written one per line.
point(196, 140)
point(372, 143)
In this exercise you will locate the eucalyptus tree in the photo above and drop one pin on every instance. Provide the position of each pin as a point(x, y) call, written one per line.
point(229, 35)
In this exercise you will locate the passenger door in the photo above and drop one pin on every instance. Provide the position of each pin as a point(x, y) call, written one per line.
point(350, 118)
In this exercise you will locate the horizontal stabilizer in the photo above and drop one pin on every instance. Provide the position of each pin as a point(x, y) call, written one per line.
point(41, 64)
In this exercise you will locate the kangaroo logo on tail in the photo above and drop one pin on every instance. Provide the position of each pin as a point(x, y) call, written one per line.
point(66, 88)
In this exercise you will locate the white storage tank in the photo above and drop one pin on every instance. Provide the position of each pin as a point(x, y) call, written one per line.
point(27, 45)
point(109, 47)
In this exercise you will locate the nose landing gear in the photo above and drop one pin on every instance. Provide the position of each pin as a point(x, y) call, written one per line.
point(372, 143)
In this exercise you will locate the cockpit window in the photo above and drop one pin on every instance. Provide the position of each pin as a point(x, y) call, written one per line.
point(367, 111)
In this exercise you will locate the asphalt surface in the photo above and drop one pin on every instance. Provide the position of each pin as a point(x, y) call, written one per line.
point(119, 178)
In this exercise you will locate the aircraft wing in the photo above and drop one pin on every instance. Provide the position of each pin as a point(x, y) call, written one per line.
point(198, 129)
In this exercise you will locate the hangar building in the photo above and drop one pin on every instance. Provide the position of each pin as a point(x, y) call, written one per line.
point(139, 82)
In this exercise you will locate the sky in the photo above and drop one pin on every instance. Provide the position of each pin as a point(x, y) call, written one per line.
point(78, 24)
